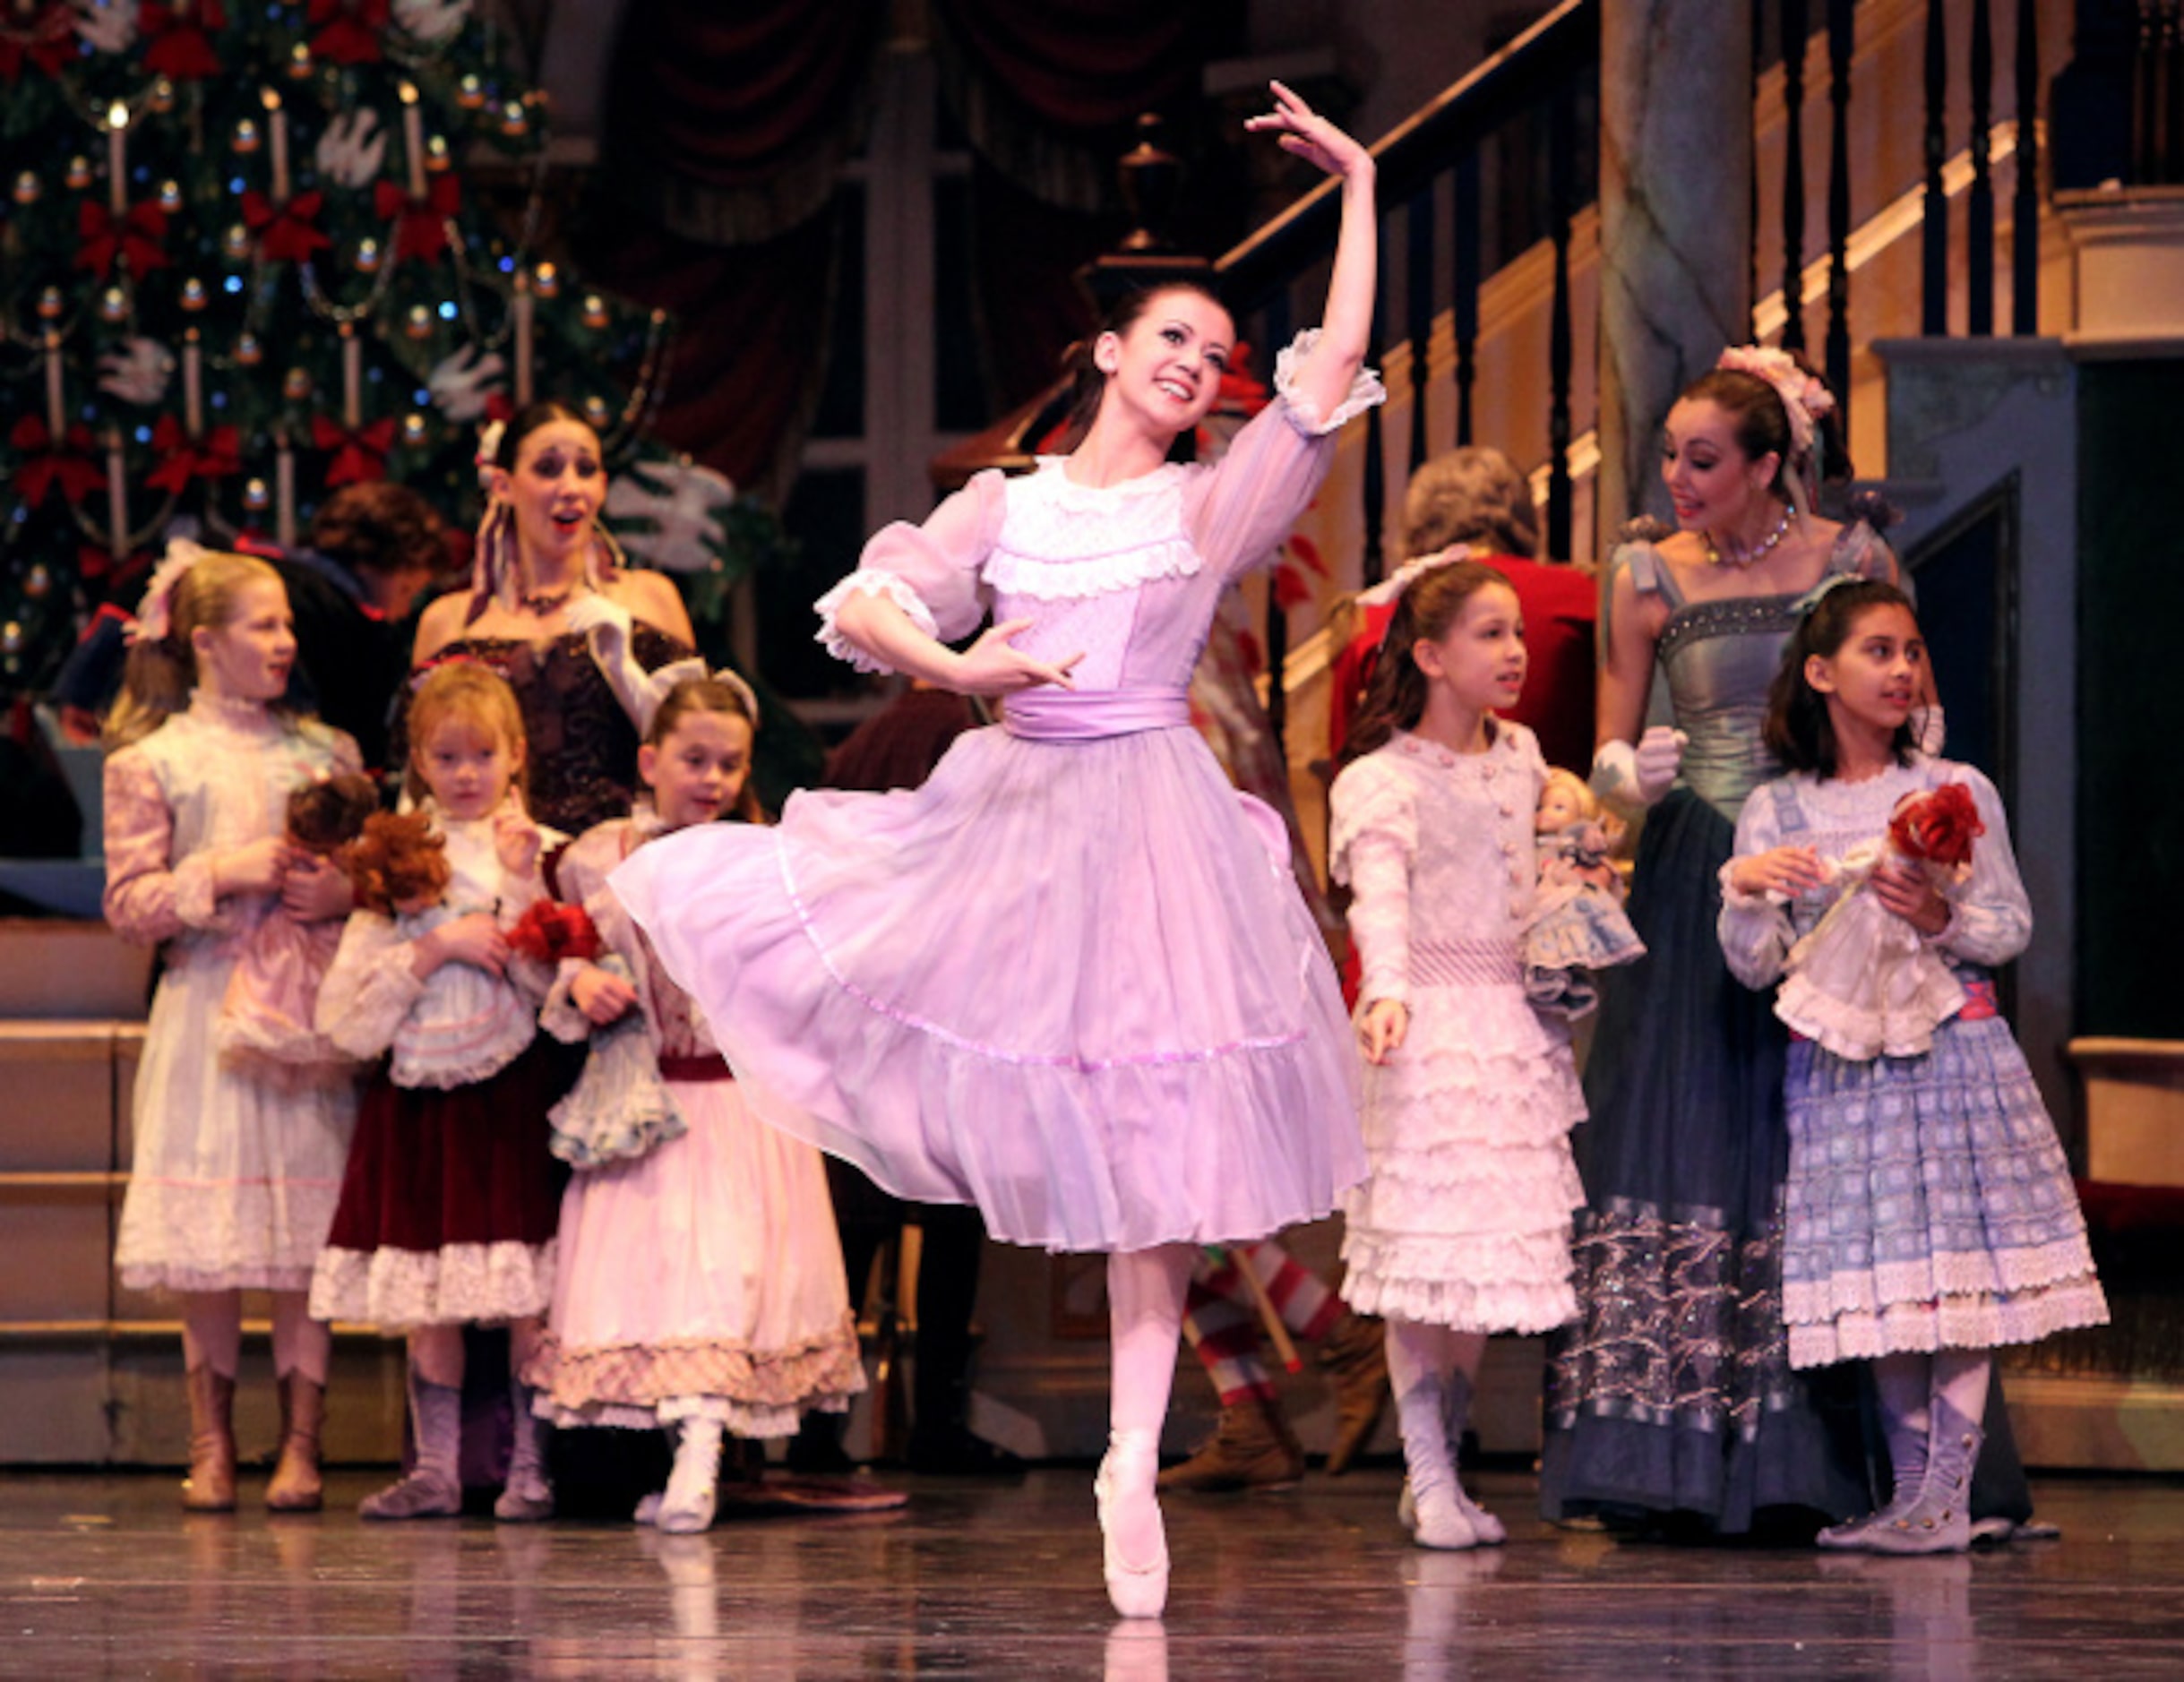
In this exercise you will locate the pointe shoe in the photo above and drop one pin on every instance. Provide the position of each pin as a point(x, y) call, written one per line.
point(210, 1486)
point(1436, 1520)
point(648, 1509)
point(1135, 1591)
point(297, 1486)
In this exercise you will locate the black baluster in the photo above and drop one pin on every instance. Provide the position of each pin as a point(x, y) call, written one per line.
point(1842, 20)
point(1793, 32)
point(1978, 213)
point(1418, 304)
point(2144, 93)
point(1465, 310)
point(1934, 313)
point(1561, 171)
point(1375, 561)
point(2024, 203)
point(1751, 184)
point(2172, 93)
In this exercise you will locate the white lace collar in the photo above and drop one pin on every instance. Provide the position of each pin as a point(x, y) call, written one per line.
point(1061, 540)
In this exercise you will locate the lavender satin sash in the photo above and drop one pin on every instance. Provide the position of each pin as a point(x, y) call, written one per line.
point(1066, 714)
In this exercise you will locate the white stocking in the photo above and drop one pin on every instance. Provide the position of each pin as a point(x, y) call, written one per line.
point(1145, 1303)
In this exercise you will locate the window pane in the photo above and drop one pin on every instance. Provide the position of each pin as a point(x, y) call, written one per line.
point(826, 517)
point(841, 397)
point(959, 402)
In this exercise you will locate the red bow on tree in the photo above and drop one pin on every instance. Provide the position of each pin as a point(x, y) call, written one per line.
point(46, 463)
point(135, 235)
point(420, 225)
point(357, 456)
point(347, 30)
point(218, 454)
point(47, 40)
point(180, 40)
point(287, 232)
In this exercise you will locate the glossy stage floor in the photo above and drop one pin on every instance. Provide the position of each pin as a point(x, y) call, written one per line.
point(103, 1576)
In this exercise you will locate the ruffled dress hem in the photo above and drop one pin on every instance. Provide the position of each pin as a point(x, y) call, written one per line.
point(398, 1290)
point(754, 1392)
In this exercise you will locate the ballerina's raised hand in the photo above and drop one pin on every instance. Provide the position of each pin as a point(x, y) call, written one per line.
point(1298, 128)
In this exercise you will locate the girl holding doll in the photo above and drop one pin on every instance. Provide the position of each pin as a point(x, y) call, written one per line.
point(1069, 978)
point(1928, 1214)
point(448, 1208)
point(1463, 1228)
point(236, 1164)
point(700, 1286)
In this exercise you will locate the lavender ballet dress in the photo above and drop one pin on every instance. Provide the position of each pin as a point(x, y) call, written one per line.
point(1070, 979)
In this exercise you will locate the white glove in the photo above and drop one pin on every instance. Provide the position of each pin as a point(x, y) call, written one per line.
point(1928, 730)
point(1635, 778)
point(608, 629)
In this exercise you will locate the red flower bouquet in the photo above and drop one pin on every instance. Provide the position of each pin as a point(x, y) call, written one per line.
point(550, 931)
point(1937, 827)
point(1863, 981)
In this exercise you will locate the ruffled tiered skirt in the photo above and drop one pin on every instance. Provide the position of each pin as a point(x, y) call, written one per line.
point(1928, 1204)
point(1467, 1219)
point(702, 1279)
point(1065, 981)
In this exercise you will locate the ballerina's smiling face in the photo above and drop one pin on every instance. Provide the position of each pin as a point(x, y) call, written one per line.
point(1166, 363)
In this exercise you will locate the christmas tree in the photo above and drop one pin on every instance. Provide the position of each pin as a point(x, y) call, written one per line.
point(241, 264)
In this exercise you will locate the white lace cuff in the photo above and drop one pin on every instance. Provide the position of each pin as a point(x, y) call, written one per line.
point(868, 581)
point(1734, 898)
point(1366, 391)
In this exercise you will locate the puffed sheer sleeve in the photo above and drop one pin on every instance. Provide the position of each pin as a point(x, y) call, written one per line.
point(1991, 916)
point(1755, 928)
point(148, 898)
point(1374, 840)
point(368, 988)
point(932, 572)
point(1244, 505)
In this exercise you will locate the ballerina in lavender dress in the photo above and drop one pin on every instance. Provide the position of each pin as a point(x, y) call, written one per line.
point(1070, 979)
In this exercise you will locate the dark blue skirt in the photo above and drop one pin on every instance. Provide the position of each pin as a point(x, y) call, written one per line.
point(1673, 1391)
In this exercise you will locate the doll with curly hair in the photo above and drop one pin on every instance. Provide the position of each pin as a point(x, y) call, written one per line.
point(265, 1015)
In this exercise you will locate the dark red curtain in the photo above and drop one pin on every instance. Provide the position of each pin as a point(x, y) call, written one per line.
point(727, 128)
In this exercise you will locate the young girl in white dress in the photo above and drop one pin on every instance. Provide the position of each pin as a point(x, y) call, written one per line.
point(1463, 1228)
point(1070, 979)
point(699, 1285)
point(235, 1168)
point(450, 1198)
point(1929, 1215)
